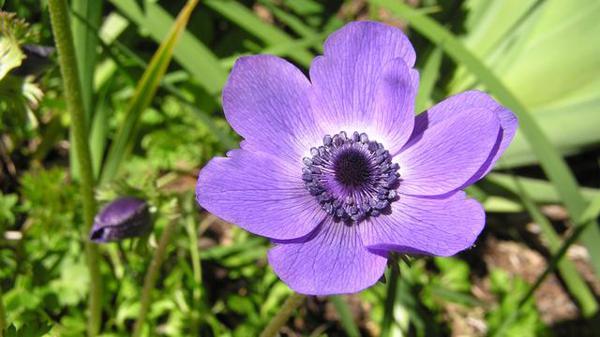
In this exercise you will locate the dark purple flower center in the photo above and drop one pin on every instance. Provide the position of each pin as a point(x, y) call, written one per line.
point(351, 168)
point(352, 178)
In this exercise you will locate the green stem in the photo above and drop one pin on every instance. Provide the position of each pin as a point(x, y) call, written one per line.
point(59, 18)
point(388, 315)
point(2, 315)
point(283, 315)
point(152, 275)
point(197, 272)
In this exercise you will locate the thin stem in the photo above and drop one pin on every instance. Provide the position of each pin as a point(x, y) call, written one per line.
point(2, 315)
point(388, 315)
point(59, 18)
point(194, 251)
point(197, 270)
point(283, 315)
point(152, 275)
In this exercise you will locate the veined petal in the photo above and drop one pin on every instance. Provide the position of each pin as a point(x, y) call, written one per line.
point(266, 101)
point(426, 225)
point(259, 193)
point(394, 105)
point(332, 260)
point(471, 101)
point(443, 157)
point(370, 39)
point(346, 80)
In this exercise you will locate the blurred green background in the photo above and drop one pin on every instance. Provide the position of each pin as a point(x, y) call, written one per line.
point(153, 118)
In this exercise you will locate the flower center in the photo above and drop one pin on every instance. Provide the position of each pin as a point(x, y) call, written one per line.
point(351, 168)
point(352, 178)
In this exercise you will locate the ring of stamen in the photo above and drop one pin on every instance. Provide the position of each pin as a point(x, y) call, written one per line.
point(352, 178)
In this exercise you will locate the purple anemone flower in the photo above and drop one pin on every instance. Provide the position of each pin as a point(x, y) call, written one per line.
point(337, 171)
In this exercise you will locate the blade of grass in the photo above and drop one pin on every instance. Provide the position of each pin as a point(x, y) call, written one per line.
point(345, 316)
point(99, 117)
point(144, 92)
point(550, 160)
point(574, 282)
point(85, 54)
point(85, 41)
point(540, 191)
point(68, 66)
point(245, 18)
point(429, 76)
point(499, 193)
point(191, 54)
point(99, 131)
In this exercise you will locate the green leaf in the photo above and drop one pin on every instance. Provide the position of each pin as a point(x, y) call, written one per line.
point(562, 91)
point(99, 131)
point(573, 127)
point(144, 93)
point(550, 160)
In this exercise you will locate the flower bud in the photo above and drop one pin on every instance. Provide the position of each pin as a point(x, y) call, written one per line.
point(123, 218)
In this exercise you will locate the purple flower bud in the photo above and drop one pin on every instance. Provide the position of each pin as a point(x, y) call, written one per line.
point(123, 218)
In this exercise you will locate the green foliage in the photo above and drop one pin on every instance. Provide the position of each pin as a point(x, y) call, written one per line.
point(144, 91)
point(153, 118)
point(49, 213)
point(509, 292)
point(7, 209)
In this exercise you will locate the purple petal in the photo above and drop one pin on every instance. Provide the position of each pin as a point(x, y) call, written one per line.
point(372, 39)
point(446, 155)
point(332, 261)
point(266, 101)
point(346, 80)
point(260, 193)
point(422, 225)
point(395, 103)
point(466, 101)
